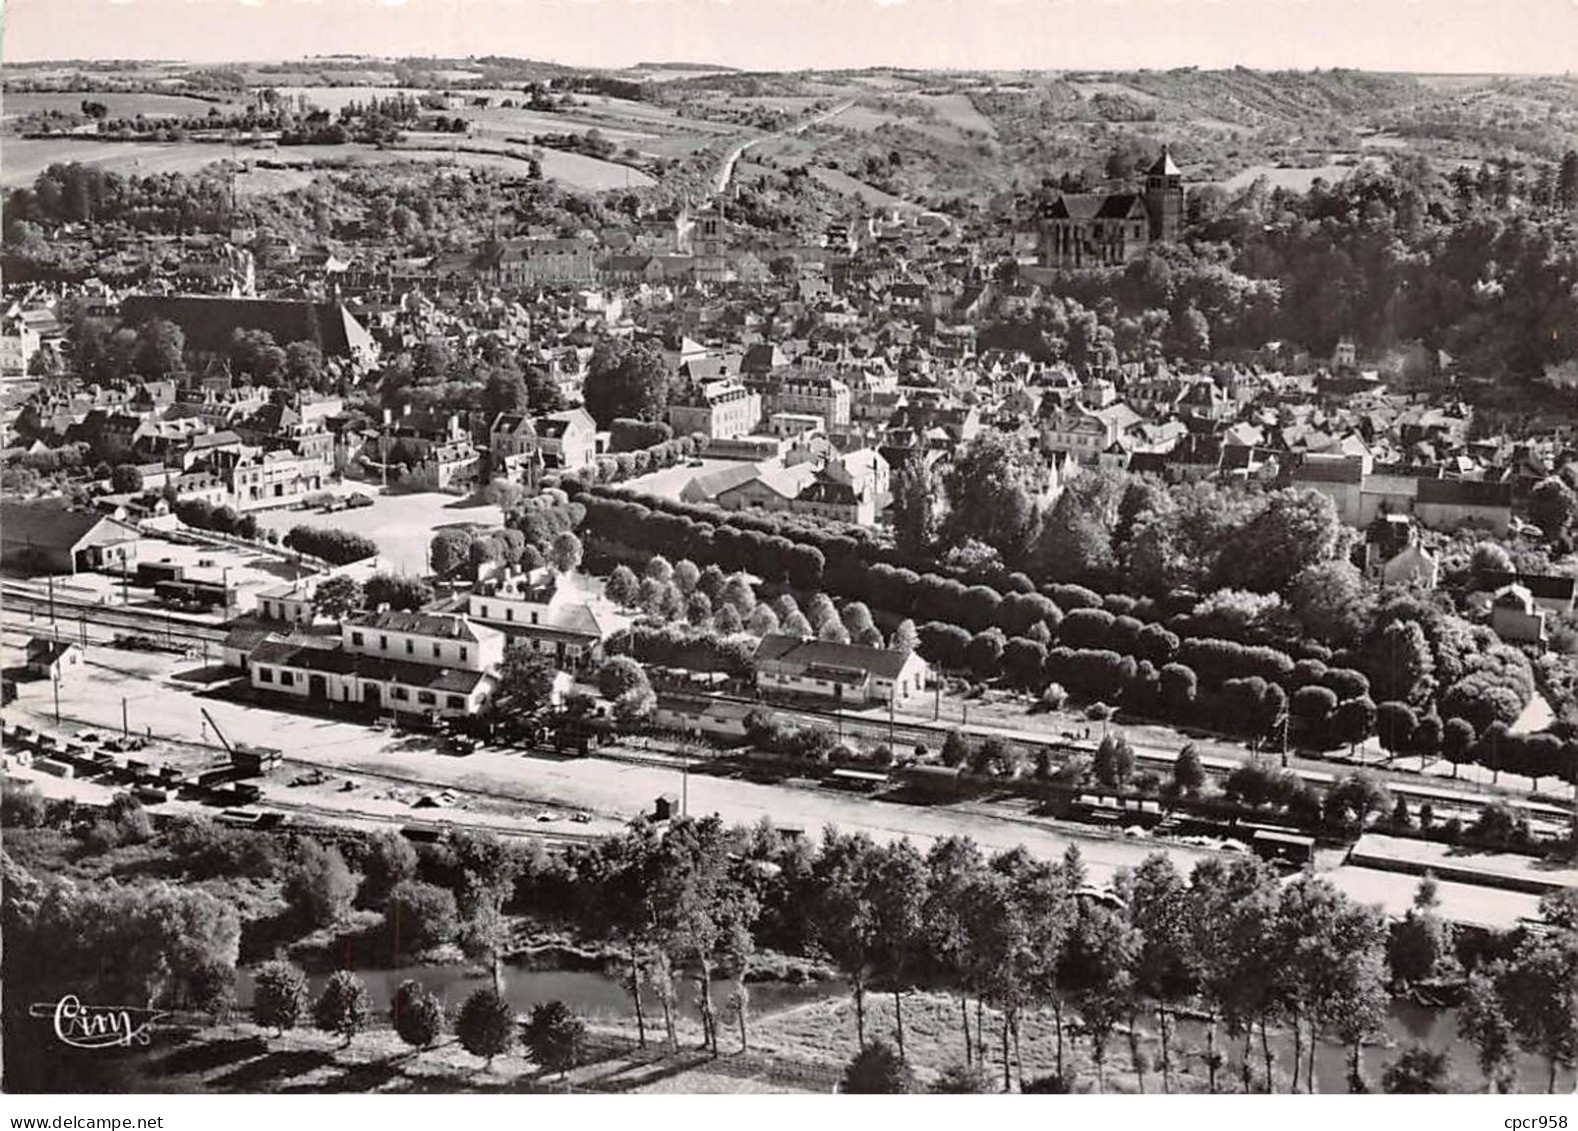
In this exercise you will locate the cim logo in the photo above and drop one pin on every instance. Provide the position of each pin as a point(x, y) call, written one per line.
point(98, 1026)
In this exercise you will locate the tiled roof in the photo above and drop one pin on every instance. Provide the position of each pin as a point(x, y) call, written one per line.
point(827, 656)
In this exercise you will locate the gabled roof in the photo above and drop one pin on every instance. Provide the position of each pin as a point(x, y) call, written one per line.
point(50, 524)
point(207, 321)
point(1097, 206)
point(825, 655)
point(420, 624)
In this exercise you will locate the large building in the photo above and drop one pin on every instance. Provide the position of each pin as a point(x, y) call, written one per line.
point(50, 537)
point(433, 664)
point(719, 410)
point(207, 323)
point(1112, 228)
point(848, 674)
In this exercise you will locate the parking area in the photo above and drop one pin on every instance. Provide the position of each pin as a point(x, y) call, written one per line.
point(402, 525)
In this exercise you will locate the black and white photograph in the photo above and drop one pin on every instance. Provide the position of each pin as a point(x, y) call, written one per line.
point(788, 547)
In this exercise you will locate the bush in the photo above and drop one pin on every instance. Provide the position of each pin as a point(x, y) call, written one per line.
point(485, 1024)
point(555, 1037)
point(279, 995)
point(417, 1014)
point(876, 1071)
point(337, 547)
point(319, 887)
point(962, 1080)
point(420, 915)
point(21, 805)
point(342, 1006)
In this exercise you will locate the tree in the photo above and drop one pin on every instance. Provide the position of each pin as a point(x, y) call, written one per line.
point(526, 679)
point(1331, 601)
point(626, 380)
point(449, 554)
point(915, 517)
point(618, 675)
point(417, 1014)
point(342, 1006)
point(876, 1070)
point(1457, 742)
point(485, 1024)
point(763, 620)
point(420, 915)
point(337, 597)
point(899, 899)
point(1297, 528)
point(985, 653)
point(279, 996)
point(1482, 1020)
point(1166, 968)
point(1114, 761)
point(1420, 1070)
point(408, 593)
point(1540, 994)
point(1400, 664)
point(303, 365)
point(126, 479)
point(388, 859)
point(1188, 770)
point(1553, 507)
point(555, 1037)
point(991, 487)
point(319, 887)
point(738, 595)
point(161, 348)
point(622, 587)
point(505, 391)
point(843, 916)
point(565, 552)
point(905, 638)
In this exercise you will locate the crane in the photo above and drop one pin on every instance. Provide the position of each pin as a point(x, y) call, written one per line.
point(247, 759)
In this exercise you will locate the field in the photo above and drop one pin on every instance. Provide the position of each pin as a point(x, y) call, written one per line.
point(26, 158)
point(1299, 180)
point(23, 159)
point(840, 181)
point(121, 105)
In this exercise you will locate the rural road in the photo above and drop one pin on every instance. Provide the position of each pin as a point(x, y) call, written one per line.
point(725, 172)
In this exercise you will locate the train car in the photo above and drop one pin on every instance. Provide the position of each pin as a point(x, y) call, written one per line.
point(857, 781)
point(150, 574)
point(1283, 846)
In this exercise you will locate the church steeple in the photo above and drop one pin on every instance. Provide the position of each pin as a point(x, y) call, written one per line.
point(1164, 197)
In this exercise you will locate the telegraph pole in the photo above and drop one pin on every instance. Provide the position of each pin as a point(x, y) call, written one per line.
point(125, 720)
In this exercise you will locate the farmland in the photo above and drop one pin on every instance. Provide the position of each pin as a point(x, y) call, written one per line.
point(26, 158)
point(119, 104)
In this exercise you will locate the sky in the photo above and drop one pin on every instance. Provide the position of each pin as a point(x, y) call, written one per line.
point(1471, 36)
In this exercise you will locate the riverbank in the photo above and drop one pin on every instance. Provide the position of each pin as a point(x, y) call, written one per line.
point(799, 1048)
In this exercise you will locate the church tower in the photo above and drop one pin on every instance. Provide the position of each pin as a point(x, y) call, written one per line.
point(1164, 198)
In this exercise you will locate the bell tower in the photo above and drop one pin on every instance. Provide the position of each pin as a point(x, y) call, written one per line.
point(1164, 198)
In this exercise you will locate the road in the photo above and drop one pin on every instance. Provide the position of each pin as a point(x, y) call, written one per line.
point(508, 787)
point(725, 172)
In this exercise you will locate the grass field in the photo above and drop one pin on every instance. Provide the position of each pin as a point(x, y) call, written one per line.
point(121, 105)
point(23, 159)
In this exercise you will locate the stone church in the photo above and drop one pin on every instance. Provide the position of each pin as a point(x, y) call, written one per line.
point(1105, 229)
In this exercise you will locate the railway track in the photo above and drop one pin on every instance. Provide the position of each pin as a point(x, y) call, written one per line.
point(147, 622)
